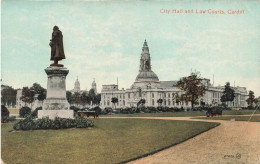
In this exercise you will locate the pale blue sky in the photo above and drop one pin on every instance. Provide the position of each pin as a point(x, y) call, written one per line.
point(103, 40)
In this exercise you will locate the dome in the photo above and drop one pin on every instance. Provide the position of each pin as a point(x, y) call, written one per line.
point(147, 76)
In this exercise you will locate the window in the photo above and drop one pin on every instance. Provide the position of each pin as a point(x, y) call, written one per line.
point(169, 102)
point(140, 92)
point(169, 95)
point(124, 102)
point(153, 102)
point(129, 95)
point(123, 96)
point(104, 102)
point(173, 102)
point(152, 95)
point(108, 102)
point(164, 102)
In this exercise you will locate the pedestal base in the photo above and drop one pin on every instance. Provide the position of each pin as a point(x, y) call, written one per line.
point(56, 104)
point(55, 113)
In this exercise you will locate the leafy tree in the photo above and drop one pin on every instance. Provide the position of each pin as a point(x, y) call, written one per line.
point(142, 101)
point(85, 98)
point(193, 88)
point(27, 95)
point(251, 99)
point(159, 101)
point(76, 98)
point(228, 94)
point(38, 89)
point(114, 100)
point(92, 95)
point(97, 99)
point(4, 113)
point(69, 96)
point(8, 95)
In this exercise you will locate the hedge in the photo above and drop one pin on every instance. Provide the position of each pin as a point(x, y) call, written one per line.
point(58, 123)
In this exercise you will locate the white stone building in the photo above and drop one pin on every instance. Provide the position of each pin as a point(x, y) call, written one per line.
point(147, 86)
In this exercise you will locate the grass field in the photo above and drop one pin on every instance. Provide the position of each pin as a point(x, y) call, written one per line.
point(183, 114)
point(235, 118)
point(111, 141)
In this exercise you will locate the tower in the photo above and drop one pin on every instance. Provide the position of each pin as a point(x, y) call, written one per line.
point(146, 75)
point(94, 86)
point(76, 85)
point(145, 61)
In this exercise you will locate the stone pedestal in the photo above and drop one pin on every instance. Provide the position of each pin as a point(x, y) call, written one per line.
point(56, 104)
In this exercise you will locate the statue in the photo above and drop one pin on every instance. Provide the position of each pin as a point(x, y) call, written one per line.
point(57, 50)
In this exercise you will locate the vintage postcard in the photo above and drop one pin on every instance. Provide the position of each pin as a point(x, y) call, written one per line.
point(130, 82)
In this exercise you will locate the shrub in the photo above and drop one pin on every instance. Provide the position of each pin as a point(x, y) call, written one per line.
point(24, 111)
point(58, 123)
point(34, 113)
point(152, 109)
point(4, 114)
point(108, 110)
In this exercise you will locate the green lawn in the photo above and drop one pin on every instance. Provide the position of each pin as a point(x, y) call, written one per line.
point(111, 141)
point(183, 114)
point(234, 118)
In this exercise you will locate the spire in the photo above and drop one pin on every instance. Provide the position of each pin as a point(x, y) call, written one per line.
point(145, 61)
point(145, 43)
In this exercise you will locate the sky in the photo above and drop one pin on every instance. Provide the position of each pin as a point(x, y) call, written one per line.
point(103, 40)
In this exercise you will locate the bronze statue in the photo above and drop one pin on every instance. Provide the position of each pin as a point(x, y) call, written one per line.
point(57, 50)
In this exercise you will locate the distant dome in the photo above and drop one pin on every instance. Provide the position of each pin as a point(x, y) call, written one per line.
point(147, 76)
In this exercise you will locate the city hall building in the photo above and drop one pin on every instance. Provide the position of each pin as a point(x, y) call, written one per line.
point(148, 86)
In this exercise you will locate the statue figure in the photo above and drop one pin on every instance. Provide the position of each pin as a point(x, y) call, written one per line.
point(57, 50)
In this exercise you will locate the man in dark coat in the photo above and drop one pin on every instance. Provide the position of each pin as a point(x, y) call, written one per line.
point(57, 50)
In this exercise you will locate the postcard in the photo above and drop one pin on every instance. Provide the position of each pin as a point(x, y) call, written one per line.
point(130, 81)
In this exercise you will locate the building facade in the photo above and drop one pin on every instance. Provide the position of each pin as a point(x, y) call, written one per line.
point(148, 86)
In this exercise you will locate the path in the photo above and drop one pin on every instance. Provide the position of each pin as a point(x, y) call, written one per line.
point(233, 142)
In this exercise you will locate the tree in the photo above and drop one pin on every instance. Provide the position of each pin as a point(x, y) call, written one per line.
point(193, 88)
point(27, 95)
point(76, 98)
point(251, 99)
point(69, 96)
point(85, 98)
point(228, 94)
point(142, 102)
point(8, 95)
point(38, 89)
point(114, 100)
point(159, 101)
point(97, 99)
point(92, 95)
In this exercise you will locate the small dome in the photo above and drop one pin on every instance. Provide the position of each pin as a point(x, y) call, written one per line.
point(147, 76)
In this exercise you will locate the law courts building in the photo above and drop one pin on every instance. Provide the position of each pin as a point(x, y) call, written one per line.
point(148, 86)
